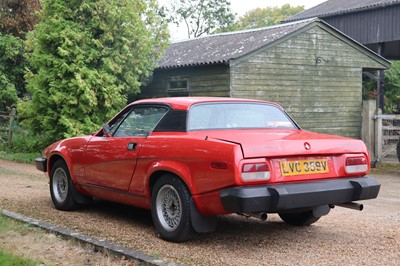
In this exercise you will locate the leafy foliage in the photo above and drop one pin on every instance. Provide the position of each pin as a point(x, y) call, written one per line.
point(24, 141)
point(17, 17)
point(12, 64)
point(392, 88)
point(263, 17)
point(86, 56)
point(8, 94)
point(202, 16)
point(369, 86)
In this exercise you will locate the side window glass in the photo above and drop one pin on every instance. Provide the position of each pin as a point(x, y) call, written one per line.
point(115, 125)
point(140, 122)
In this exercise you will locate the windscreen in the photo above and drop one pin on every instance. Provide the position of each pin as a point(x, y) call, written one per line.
point(237, 115)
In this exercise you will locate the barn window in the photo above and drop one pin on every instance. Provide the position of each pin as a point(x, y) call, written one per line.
point(178, 87)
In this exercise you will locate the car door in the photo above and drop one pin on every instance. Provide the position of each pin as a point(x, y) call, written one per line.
point(111, 160)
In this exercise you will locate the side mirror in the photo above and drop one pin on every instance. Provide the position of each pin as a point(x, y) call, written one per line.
point(106, 130)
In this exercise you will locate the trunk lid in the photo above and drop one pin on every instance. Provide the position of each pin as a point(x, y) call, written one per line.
point(284, 143)
point(295, 155)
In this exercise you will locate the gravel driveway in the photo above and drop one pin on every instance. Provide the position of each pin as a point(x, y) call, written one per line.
point(344, 237)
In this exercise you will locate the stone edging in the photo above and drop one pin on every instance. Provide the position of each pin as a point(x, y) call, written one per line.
point(144, 259)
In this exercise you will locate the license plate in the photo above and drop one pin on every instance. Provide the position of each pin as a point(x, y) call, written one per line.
point(304, 167)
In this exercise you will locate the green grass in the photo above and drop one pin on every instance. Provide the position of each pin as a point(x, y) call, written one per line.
point(20, 157)
point(386, 168)
point(7, 258)
point(8, 224)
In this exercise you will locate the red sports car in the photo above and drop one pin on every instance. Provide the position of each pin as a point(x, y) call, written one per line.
point(191, 159)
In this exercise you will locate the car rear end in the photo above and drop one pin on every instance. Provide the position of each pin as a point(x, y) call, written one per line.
point(304, 172)
point(282, 168)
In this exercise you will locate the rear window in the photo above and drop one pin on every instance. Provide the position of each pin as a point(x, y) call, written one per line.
point(237, 115)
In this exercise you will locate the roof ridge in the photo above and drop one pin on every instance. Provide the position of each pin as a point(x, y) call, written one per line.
point(250, 30)
point(342, 11)
point(223, 47)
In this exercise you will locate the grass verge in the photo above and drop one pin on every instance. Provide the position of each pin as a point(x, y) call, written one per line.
point(387, 168)
point(19, 157)
point(24, 244)
point(7, 258)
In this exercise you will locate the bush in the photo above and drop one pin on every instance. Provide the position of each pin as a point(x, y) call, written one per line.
point(24, 141)
point(392, 89)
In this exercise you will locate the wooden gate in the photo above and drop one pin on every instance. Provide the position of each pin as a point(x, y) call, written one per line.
point(389, 126)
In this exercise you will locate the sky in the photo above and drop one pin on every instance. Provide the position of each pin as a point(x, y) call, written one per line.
point(241, 7)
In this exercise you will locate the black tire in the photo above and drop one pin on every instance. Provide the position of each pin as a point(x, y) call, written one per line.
point(299, 218)
point(398, 150)
point(61, 187)
point(170, 209)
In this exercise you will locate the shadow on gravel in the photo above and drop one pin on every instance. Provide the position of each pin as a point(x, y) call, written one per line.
point(120, 212)
point(230, 230)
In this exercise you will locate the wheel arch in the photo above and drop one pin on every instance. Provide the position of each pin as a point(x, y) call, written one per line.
point(159, 168)
point(53, 159)
point(158, 174)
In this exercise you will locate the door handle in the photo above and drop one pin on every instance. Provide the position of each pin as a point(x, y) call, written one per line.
point(132, 146)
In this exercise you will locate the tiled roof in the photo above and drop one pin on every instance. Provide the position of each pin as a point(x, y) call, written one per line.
point(221, 48)
point(338, 7)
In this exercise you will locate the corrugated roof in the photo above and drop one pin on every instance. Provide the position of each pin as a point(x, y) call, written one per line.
point(338, 7)
point(221, 48)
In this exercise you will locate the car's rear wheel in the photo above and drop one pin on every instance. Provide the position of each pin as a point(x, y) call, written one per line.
point(61, 187)
point(170, 209)
point(299, 218)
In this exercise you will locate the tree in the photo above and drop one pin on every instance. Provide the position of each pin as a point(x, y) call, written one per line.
point(86, 56)
point(263, 17)
point(392, 88)
point(12, 64)
point(17, 17)
point(8, 94)
point(202, 16)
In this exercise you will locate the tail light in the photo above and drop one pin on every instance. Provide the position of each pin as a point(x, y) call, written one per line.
point(255, 172)
point(356, 165)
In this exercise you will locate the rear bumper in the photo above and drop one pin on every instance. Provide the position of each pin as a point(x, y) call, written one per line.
point(41, 164)
point(280, 197)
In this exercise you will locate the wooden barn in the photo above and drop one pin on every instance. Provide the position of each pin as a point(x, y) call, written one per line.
point(309, 67)
point(373, 23)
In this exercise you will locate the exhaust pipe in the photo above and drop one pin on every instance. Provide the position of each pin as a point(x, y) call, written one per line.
point(351, 205)
point(259, 215)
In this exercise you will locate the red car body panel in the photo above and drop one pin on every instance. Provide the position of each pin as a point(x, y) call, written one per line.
point(206, 160)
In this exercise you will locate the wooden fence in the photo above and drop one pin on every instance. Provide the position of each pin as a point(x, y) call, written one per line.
point(7, 125)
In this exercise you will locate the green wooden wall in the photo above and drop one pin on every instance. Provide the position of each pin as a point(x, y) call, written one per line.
point(210, 80)
point(315, 74)
point(321, 95)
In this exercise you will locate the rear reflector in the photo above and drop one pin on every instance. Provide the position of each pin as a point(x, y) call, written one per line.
point(219, 165)
point(255, 172)
point(356, 165)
